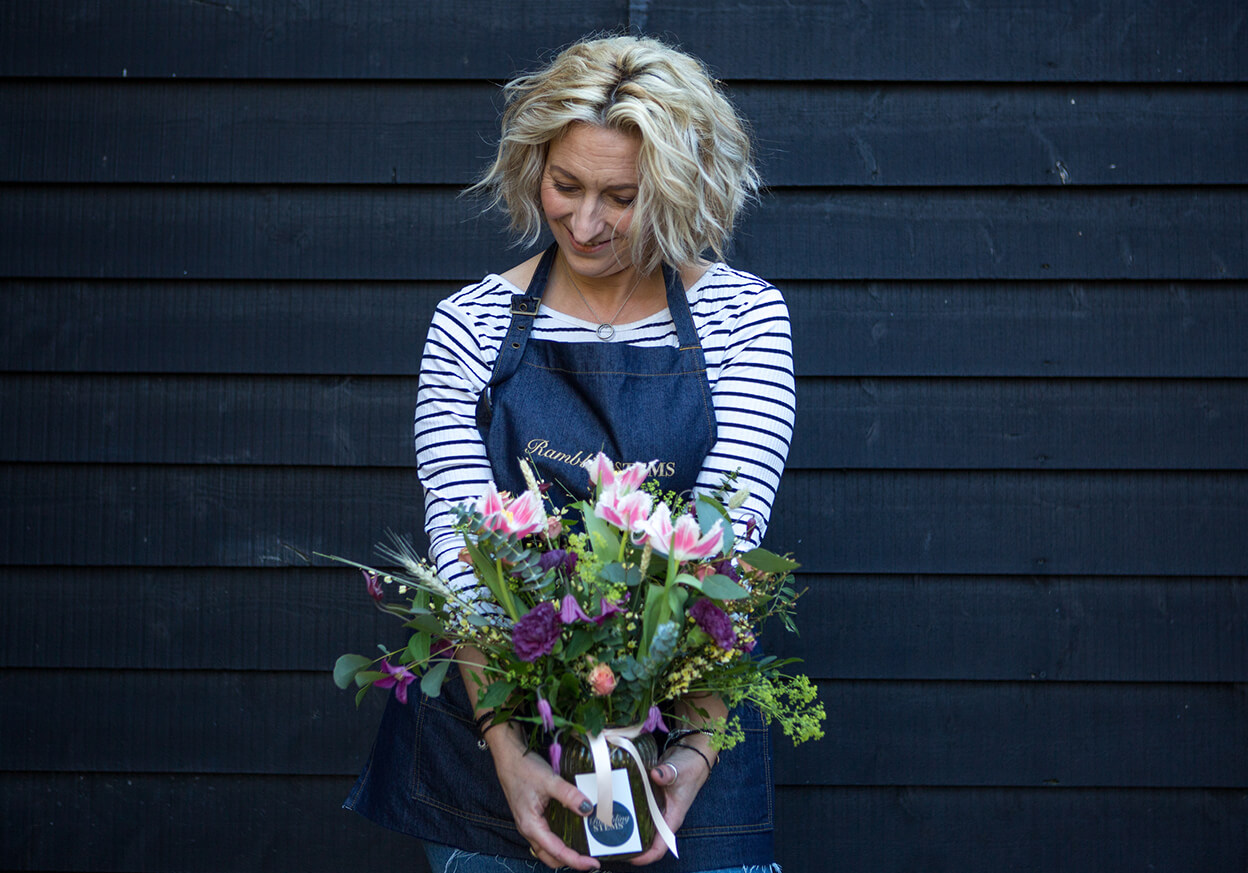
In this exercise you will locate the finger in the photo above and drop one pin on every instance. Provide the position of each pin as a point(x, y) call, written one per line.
point(570, 797)
point(664, 774)
point(551, 851)
point(657, 850)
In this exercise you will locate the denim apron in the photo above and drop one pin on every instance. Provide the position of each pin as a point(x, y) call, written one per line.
point(558, 403)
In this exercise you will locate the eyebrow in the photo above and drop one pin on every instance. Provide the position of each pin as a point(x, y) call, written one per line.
point(558, 169)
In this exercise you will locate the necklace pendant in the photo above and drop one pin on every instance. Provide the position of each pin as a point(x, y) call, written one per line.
point(605, 332)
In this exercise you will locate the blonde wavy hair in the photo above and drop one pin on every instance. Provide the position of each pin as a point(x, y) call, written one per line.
point(695, 167)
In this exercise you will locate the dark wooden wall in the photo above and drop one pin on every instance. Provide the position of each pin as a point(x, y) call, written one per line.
point(1013, 237)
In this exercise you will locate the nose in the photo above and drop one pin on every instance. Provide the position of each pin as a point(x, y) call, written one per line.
point(587, 221)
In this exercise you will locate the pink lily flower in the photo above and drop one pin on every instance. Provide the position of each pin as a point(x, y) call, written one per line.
point(543, 710)
point(398, 678)
point(603, 474)
point(682, 540)
point(518, 516)
point(626, 511)
point(571, 611)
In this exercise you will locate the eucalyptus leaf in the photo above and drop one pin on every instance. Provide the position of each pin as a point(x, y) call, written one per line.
point(722, 588)
point(616, 573)
point(688, 579)
point(431, 682)
point(359, 695)
point(365, 677)
point(769, 562)
point(710, 511)
point(426, 624)
point(347, 666)
point(418, 649)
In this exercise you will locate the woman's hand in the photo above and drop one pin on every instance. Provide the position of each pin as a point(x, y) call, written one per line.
point(530, 785)
point(681, 774)
point(528, 782)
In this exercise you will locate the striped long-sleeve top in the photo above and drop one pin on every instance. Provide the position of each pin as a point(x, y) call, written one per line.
point(743, 324)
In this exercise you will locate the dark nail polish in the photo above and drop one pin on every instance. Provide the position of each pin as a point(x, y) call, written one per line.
point(586, 807)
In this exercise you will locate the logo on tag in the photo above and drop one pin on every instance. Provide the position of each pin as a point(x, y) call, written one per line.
point(618, 832)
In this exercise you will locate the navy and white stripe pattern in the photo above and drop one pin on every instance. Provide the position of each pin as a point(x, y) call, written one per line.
point(743, 324)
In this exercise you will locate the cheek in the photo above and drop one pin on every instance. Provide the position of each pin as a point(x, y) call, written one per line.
point(554, 204)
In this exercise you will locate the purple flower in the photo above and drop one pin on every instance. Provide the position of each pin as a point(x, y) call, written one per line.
point(654, 721)
point(556, 755)
point(560, 559)
point(725, 568)
point(714, 621)
point(397, 678)
point(543, 709)
point(572, 611)
point(373, 583)
point(535, 633)
point(608, 609)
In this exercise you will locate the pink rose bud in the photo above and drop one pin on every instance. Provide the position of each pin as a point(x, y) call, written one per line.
point(554, 526)
point(703, 571)
point(601, 680)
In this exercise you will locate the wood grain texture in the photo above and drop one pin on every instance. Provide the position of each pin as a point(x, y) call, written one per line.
point(1099, 40)
point(952, 40)
point(1039, 830)
point(875, 521)
point(257, 39)
point(885, 733)
point(843, 329)
point(904, 627)
point(440, 132)
point(398, 232)
point(846, 423)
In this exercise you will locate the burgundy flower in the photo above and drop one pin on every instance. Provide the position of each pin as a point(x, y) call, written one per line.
point(373, 583)
point(561, 559)
point(535, 633)
point(397, 678)
point(725, 568)
point(608, 609)
point(715, 622)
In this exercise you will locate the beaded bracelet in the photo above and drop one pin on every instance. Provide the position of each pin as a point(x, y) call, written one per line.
point(680, 734)
point(698, 752)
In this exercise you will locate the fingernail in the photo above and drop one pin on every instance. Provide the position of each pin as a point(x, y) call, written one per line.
point(586, 807)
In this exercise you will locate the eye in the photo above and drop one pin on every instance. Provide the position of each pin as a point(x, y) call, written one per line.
point(623, 201)
point(562, 188)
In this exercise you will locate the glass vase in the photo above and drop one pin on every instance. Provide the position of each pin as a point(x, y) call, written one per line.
point(570, 827)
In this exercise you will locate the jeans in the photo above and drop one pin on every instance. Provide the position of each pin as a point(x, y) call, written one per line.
point(444, 859)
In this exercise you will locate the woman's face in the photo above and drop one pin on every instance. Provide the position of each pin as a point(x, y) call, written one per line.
point(588, 189)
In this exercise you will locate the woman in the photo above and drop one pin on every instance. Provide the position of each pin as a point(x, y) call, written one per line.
point(619, 337)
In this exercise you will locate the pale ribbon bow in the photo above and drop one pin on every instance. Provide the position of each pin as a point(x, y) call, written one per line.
point(623, 738)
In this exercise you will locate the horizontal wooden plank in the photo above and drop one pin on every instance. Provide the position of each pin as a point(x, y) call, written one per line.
point(879, 830)
point(846, 423)
point(406, 232)
point(945, 522)
point(73, 822)
point(1107, 629)
point(1146, 40)
point(859, 423)
point(438, 132)
point(141, 823)
point(390, 39)
point(880, 733)
point(1031, 40)
point(846, 329)
point(851, 627)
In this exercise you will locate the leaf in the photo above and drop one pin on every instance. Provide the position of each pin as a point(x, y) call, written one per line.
point(722, 588)
point(359, 695)
point(769, 562)
point(431, 682)
point(616, 573)
point(367, 677)
point(578, 645)
point(496, 694)
point(710, 511)
point(426, 624)
point(688, 579)
point(418, 650)
point(347, 666)
point(602, 536)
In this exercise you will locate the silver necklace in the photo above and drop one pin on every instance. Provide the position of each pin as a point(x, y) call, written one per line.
point(605, 329)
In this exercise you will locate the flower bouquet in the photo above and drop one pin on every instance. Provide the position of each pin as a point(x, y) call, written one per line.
point(591, 619)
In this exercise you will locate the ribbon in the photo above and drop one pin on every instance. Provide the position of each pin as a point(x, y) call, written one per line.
point(623, 738)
